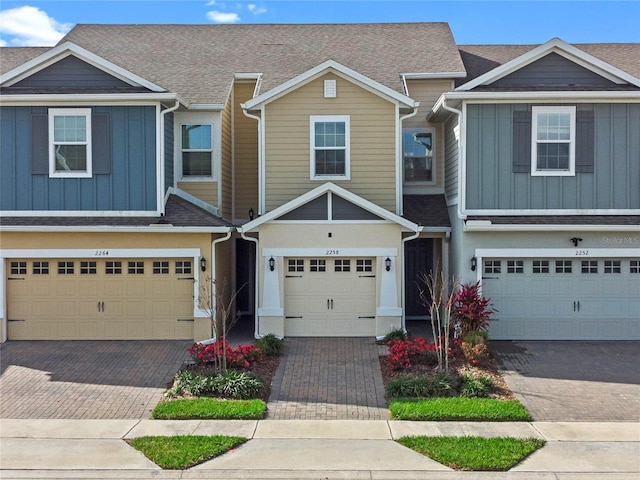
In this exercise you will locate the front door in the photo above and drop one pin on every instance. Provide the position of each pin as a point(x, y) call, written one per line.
point(418, 262)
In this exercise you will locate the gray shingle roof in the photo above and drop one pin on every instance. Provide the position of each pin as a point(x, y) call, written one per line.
point(199, 61)
point(178, 212)
point(12, 57)
point(426, 210)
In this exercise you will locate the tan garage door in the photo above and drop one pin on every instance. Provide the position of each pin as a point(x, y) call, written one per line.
point(330, 297)
point(88, 299)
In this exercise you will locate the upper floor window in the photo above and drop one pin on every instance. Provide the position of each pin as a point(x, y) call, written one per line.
point(70, 142)
point(553, 141)
point(197, 150)
point(417, 155)
point(330, 137)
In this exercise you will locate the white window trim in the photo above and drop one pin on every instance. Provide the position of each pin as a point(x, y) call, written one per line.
point(313, 119)
point(57, 112)
point(183, 150)
point(197, 118)
point(534, 141)
point(432, 131)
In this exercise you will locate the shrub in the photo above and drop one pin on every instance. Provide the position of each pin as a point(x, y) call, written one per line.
point(395, 334)
point(403, 353)
point(471, 311)
point(440, 385)
point(242, 356)
point(476, 387)
point(236, 385)
point(270, 345)
point(408, 386)
point(474, 347)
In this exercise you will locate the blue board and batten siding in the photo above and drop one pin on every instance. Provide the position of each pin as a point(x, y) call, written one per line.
point(127, 182)
point(494, 183)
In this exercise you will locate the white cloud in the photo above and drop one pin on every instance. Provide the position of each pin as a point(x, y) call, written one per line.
point(256, 10)
point(30, 26)
point(221, 17)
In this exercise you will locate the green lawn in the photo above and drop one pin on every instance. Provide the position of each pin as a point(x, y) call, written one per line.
point(458, 409)
point(184, 451)
point(209, 408)
point(474, 453)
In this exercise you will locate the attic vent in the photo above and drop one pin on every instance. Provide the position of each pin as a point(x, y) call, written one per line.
point(329, 89)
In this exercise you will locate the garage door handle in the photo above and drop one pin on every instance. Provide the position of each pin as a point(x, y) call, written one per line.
point(490, 278)
point(15, 278)
point(187, 278)
point(16, 320)
point(332, 304)
point(185, 320)
point(294, 317)
point(368, 317)
point(293, 276)
point(366, 276)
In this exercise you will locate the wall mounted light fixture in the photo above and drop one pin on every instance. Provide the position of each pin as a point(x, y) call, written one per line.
point(387, 263)
point(251, 213)
point(474, 264)
point(272, 264)
point(575, 241)
point(203, 264)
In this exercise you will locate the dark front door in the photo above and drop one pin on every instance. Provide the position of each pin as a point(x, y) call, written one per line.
point(418, 262)
point(245, 275)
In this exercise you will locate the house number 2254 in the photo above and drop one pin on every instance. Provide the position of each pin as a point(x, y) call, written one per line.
point(101, 253)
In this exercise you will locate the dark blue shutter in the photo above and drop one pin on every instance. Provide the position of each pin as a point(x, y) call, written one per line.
point(585, 143)
point(521, 141)
point(39, 144)
point(101, 143)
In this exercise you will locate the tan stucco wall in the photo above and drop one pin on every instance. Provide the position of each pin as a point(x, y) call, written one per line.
point(373, 142)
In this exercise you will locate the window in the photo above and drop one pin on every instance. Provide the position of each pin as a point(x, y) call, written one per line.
point(197, 151)
point(135, 268)
point(330, 147)
point(113, 268)
point(492, 266)
point(612, 266)
point(541, 266)
point(515, 266)
point(417, 155)
point(589, 266)
point(70, 142)
point(634, 266)
point(88, 268)
point(183, 267)
point(296, 265)
point(18, 268)
point(65, 268)
point(563, 266)
point(41, 268)
point(342, 266)
point(553, 141)
point(160, 267)
point(364, 265)
point(318, 265)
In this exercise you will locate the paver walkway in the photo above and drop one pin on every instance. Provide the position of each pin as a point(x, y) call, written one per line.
point(328, 379)
point(86, 379)
point(573, 381)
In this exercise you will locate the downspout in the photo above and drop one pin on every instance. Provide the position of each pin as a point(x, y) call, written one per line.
point(214, 287)
point(257, 290)
point(399, 168)
point(404, 286)
point(162, 153)
point(260, 159)
point(462, 164)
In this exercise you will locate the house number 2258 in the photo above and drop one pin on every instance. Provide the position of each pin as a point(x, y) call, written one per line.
point(332, 252)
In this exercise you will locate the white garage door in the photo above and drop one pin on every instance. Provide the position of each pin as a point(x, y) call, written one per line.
point(563, 299)
point(91, 299)
point(330, 297)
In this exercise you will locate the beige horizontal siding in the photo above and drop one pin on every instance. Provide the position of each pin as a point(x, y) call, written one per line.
point(226, 178)
point(246, 154)
point(373, 149)
point(205, 191)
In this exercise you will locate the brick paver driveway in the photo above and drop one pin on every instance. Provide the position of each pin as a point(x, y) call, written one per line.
point(86, 379)
point(573, 381)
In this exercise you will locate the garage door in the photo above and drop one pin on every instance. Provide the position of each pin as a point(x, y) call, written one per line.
point(563, 299)
point(330, 297)
point(49, 299)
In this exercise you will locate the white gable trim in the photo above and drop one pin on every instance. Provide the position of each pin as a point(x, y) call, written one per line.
point(319, 191)
point(562, 48)
point(340, 70)
point(64, 50)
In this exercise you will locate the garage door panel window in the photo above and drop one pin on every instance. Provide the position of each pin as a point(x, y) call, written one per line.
point(589, 266)
point(113, 268)
point(492, 266)
point(318, 265)
point(160, 268)
point(135, 268)
point(612, 266)
point(18, 268)
point(342, 265)
point(88, 268)
point(41, 268)
point(66, 268)
point(295, 265)
point(515, 266)
point(634, 266)
point(183, 267)
point(564, 266)
point(364, 265)
point(541, 266)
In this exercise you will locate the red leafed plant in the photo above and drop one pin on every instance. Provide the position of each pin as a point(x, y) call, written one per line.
point(404, 353)
point(241, 357)
point(471, 311)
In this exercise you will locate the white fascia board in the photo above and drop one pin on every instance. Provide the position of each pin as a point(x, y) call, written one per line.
point(64, 50)
point(98, 253)
point(110, 229)
point(551, 212)
point(547, 96)
point(203, 107)
point(560, 47)
point(433, 76)
point(428, 229)
point(339, 69)
point(93, 99)
point(486, 226)
point(321, 190)
point(556, 252)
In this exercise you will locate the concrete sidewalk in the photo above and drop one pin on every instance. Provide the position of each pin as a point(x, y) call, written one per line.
point(308, 449)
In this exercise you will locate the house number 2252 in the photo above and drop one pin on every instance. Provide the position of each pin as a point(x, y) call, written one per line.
point(582, 253)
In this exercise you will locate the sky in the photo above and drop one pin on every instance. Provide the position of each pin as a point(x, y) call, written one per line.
point(43, 23)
